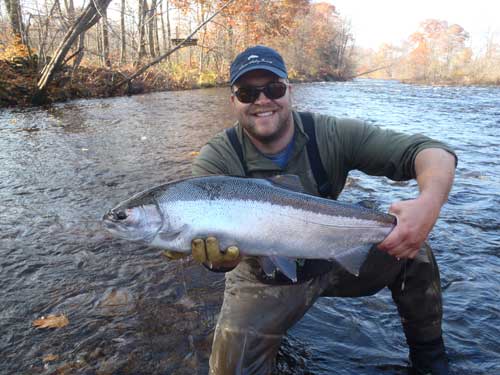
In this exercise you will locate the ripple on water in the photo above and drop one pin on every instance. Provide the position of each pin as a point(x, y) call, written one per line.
point(132, 311)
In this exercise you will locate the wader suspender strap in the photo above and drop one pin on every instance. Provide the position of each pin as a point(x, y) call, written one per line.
point(324, 187)
point(233, 138)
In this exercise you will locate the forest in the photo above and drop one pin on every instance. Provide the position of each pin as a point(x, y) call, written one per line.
point(437, 53)
point(52, 50)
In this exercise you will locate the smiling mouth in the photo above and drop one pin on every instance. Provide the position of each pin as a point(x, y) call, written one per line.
point(264, 114)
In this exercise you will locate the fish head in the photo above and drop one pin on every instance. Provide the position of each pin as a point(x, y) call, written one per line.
point(134, 221)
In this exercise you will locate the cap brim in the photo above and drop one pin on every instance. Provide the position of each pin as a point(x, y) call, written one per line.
point(280, 73)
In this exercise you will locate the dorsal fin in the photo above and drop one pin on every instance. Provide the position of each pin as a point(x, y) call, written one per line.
point(287, 181)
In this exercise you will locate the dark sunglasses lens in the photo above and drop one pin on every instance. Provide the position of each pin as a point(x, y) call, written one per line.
point(275, 90)
point(247, 94)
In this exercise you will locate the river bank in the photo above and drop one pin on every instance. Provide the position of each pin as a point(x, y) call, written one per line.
point(19, 77)
point(464, 81)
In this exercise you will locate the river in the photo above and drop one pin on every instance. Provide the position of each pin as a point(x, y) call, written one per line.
point(131, 311)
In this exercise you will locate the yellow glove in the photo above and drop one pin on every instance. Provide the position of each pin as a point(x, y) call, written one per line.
point(209, 254)
point(174, 255)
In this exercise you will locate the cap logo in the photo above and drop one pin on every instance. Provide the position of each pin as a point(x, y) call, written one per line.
point(258, 57)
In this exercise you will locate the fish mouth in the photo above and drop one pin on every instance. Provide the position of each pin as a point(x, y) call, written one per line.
point(114, 223)
point(133, 223)
point(113, 227)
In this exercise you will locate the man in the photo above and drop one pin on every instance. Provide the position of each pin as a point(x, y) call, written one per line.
point(258, 310)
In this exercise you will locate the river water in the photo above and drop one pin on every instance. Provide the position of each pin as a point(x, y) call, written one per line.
point(132, 312)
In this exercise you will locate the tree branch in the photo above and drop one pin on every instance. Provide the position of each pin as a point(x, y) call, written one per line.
point(168, 53)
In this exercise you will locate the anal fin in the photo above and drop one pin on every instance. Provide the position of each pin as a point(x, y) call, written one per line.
point(353, 259)
point(287, 266)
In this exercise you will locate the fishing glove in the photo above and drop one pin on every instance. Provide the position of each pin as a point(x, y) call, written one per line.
point(207, 252)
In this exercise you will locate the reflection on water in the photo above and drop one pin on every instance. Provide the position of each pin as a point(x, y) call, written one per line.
point(131, 311)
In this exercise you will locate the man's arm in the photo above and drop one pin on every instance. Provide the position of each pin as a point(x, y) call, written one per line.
point(435, 170)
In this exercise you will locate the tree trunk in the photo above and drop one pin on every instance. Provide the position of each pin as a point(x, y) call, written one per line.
point(163, 32)
point(143, 6)
point(86, 20)
point(80, 51)
point(151, 28)
point(98, 38)
point(15, 18)
point(123, 45)
point(105, 40)
point(156, 36)
point(169, 28)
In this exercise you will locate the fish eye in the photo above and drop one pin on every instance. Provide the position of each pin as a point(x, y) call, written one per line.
point(120, 215)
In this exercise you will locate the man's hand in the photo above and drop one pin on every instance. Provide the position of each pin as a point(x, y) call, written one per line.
point(435, 169)
point(208, 252)
point(416, 218)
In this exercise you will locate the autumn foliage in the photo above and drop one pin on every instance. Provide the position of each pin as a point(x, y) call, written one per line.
point(436, 53)
point(313, 37)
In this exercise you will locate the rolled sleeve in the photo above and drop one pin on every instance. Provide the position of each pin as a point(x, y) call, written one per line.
point(383, 152)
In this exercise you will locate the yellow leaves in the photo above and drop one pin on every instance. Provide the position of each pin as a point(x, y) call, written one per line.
point(51, 321)
point(13, 49)
point(207, 79)
point(194, 153)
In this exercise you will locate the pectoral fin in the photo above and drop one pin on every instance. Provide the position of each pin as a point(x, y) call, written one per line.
point(170, 235)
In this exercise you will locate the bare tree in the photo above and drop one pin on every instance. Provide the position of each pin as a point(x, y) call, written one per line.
point(143, 11)
point(168, 53)
point(15, 17)
point(89, 17)
point(105, 40)
point(166, 36)
point(152, 28)
point(123, 44)
point(156, 36)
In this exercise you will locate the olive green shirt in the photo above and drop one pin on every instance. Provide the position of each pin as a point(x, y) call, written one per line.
point(344, 145)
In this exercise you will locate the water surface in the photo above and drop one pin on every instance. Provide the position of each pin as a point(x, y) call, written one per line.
point(133, 312)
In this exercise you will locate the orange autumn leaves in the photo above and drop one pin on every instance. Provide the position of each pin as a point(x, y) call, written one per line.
point(438, 52)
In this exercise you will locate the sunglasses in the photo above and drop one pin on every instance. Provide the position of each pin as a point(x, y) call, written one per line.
point(249, 94)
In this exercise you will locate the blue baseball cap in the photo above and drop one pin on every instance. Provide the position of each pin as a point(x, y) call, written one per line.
point(258, 57)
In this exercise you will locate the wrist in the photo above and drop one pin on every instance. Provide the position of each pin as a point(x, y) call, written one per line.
point(430, 197)
point(431, 202)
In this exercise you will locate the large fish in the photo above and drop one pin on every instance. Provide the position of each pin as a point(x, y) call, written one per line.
point(269, 218)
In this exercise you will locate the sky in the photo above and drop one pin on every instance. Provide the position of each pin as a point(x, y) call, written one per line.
point(377, 21)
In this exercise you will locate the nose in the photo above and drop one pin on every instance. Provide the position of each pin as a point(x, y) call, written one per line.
point(262, 98)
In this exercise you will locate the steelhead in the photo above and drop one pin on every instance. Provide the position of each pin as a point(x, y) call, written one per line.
point(269, 218)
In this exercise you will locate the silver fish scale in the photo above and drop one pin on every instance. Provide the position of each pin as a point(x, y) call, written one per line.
point(237, 188)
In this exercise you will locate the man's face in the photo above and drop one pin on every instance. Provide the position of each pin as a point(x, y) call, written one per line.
point(265, 120)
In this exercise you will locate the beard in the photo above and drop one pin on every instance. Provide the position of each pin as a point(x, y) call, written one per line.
point(267, 133)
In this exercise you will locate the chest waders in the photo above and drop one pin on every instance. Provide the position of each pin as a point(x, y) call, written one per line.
point(254, 317)
point(319, 173)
